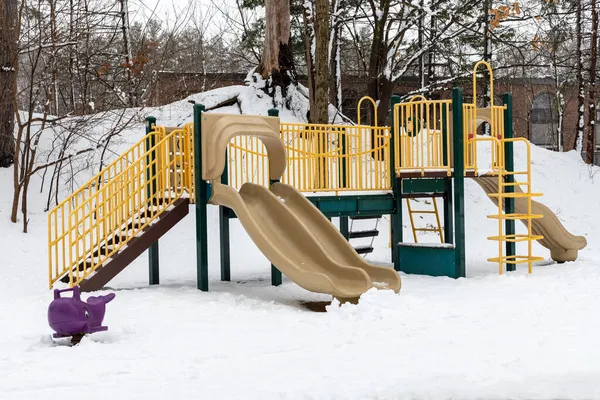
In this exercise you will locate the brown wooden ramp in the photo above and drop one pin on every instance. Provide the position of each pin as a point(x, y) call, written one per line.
point(136, 246)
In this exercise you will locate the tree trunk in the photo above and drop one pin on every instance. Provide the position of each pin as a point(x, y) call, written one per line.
point(580, 83)
point(379, 86)
point(309, 38)
point(277, 61)
point(591, 129)
point(320, 115)
point(8, 82)
point(127, 55)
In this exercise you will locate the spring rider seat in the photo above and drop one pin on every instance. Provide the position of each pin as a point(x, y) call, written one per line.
point(73, 317)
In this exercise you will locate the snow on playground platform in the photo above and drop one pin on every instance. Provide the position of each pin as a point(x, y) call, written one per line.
point(485, 336)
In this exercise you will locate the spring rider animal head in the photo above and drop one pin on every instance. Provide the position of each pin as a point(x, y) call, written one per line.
point(73, 317)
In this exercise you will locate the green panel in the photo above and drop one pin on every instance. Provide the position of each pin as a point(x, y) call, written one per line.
point(347, 206)
point(427, 260)
point(376, 205)
point(329, 205)
point(423, 185)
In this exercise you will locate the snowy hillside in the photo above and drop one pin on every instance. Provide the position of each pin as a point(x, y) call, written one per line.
point(486, 336)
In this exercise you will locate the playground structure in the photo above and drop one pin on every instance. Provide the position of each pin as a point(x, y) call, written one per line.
point(247, 164)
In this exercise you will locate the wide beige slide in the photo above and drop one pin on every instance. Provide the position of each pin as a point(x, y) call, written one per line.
point(562, 244)
point(331, 239)
point(305, 248)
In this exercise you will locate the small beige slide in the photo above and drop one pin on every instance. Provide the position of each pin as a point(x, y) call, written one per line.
point(562, 244)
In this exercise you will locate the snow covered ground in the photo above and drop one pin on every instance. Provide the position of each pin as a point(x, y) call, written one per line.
point(486, 336)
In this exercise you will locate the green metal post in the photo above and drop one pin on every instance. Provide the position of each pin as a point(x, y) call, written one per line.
point(459, 181)
point(201, 204)
point(344, 177)
point(345, 227)
point(448, 220)
point(396, 218)
point(276, 277)
point(509, 203)
point(224, 236)
point(153, 259)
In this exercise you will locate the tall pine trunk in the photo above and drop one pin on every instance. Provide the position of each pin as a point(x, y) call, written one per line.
point(277, 61)
point(580, 83)
point(8, 81)
point(591, 128)
point(319, 115)
point(379, 85)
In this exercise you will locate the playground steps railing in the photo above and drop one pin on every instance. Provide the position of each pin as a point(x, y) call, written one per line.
point(103, 226)
point(438, 228)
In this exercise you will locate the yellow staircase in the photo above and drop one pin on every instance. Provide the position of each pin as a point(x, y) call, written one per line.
point(434, 211)
point(102, 227)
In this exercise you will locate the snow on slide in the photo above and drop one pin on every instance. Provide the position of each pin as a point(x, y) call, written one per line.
point(562, 244)
point(291, 246)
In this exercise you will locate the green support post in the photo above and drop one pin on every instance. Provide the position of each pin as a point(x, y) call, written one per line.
point(459, 181)
point(153, 259)
point(396, 218)
point(509, 203)
point(201, 204)
point(448, 220)
point(224, 237)
point(276, 278)
point(344, 172)
point(345, 227)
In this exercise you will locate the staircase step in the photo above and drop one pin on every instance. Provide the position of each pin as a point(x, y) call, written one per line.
point(81, 267)
point(135, 246)
point(363, 234)
point(364, 249)
point(115, 240)
point(356, 217)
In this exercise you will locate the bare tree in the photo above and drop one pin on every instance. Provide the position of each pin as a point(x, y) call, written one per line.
point(591, 128)
point(8, 79)
point(580, 82)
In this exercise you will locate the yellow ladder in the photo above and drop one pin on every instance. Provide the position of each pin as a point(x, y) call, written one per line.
point(523, 212)
point(437, 229)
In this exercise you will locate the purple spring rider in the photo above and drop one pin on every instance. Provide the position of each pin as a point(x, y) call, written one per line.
point(72, 317)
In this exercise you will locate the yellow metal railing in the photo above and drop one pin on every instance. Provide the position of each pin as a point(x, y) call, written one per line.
point(321, 158)
point(422, 136)
point(100, 218)
point(526, 215)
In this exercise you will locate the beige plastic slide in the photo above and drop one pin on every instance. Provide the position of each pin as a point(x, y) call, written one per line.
point(563, 245)
point(331, 239)
point(305, 248)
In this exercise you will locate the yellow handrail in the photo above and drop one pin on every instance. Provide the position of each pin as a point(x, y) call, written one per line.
point(101, 217)
point(489, 68)
point(374, 109)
